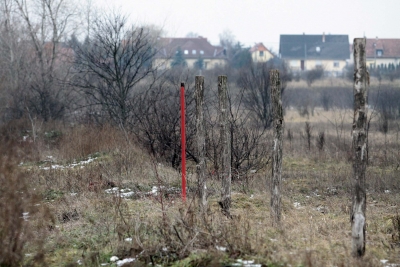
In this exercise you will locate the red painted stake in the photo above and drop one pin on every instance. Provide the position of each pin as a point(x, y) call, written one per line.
point(183, 141)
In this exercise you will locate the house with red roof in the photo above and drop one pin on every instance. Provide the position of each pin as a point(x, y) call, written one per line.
point(382, 52)
point(260, 54)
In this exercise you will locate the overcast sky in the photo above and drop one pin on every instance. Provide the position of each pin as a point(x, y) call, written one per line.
point(253, 21)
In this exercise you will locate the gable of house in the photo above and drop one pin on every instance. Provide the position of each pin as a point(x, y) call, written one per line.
point(260, 53)
point(317, 47)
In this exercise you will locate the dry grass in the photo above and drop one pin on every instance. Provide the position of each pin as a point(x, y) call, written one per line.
point(91, 225)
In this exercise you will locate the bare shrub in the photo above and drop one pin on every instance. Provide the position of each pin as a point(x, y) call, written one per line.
point(308, 132)
point(314, 74)
point(321, 140)
point(21, 221)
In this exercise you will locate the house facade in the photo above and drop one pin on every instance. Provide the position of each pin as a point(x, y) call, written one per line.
point(260, 54)
point(304, 52)
point(382, 52)
point(192, 49)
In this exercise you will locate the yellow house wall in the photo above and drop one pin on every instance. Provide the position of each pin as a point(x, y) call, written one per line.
point(208, 63)
point(328, 65)
point(256, 56)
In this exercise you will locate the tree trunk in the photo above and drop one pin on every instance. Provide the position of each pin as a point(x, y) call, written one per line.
point(225, 170)
point(201, 142)
point(360, 142)
point(277, 115)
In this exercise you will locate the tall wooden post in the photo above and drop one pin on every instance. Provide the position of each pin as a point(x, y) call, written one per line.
point(360, 149)
point(277, 114)
point(225, 170)
point(201, 141)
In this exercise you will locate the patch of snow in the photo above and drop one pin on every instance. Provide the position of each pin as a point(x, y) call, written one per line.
point(128, 239)
point(103, 264)
point(384, 261)
point(73, 194)
point(296, 205)
point(165, 249)
point(79, 262)
point(387, 191)
point(220, 248)
point(72, 165)
point(114, 258)
point(246, 263)
point(251, 196)
point(122, 262)
point(25, 216)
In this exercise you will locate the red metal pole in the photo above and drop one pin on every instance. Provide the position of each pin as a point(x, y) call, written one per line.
point(183, 141)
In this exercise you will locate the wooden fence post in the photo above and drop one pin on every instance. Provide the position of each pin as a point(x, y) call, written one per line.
point(225, 170)
point(277, 114)
point(360, 149)
point(201, 141)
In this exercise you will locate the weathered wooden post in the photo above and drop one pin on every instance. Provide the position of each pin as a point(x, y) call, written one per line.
point(277, 115)
point(225, 170)
point(201, 141)
point(360, 143)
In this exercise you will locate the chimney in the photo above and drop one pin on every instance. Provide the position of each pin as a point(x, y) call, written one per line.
point(323, 37)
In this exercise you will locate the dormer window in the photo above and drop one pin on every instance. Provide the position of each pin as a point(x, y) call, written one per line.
point(318, 49)
point(379, 52)
point(194, 52)
point(186, 52)
point(201, 52)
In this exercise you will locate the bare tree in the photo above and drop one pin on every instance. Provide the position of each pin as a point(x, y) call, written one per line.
point(256, 81)
point(46, 22)
point(111, 67)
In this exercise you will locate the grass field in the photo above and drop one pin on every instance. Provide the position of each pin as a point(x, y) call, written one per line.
point(80, 195)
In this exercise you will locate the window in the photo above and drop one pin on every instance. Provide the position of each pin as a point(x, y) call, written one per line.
point(318, 63)
point(336, 64)
point(379, 52)
point(318, 49)
point(194, 52)
point(186, 52)
point(201, 52)
point(261, 53)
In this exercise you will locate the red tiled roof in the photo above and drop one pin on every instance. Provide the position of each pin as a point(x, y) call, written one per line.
point(258, 47)
point(390, 48)
point(168, 47)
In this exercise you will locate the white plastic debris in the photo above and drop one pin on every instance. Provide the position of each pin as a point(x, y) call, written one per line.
point(384, 261)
